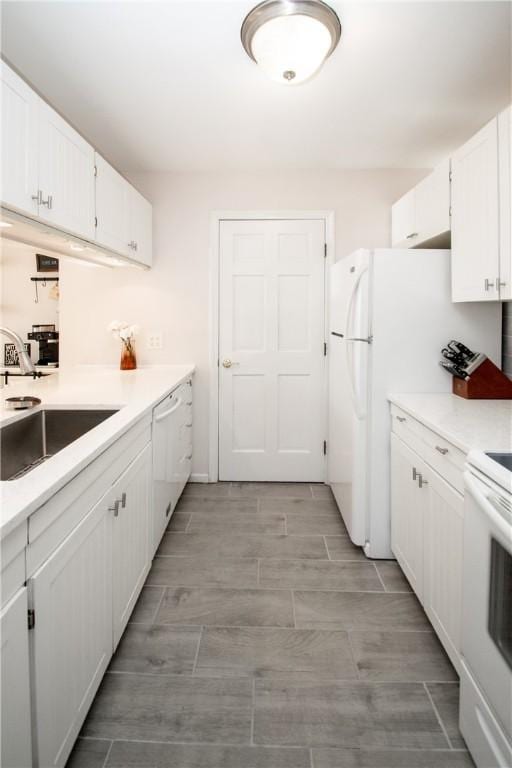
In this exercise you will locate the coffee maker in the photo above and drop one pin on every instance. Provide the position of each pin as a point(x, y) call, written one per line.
point(48, 340)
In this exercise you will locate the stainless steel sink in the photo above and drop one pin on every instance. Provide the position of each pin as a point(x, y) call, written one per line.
point(26, 443)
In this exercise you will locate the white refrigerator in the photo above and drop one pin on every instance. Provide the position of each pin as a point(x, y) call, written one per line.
point(390, 315)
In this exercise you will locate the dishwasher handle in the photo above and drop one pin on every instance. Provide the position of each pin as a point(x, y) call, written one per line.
point(166, 414)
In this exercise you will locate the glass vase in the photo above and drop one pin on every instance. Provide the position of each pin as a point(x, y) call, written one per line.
point(128, 359)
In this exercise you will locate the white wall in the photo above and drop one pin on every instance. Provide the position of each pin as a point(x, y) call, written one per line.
point(173, 297)
point(18, 309)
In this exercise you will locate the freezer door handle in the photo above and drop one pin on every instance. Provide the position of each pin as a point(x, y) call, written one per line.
point(335, 333)
point(368, 340)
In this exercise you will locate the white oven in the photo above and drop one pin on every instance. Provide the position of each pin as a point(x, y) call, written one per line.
point(486, 677)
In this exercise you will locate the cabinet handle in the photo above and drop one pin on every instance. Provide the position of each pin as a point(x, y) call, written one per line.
point(50, 202)
point(188, 456)
point(401, 418)
point(413, 234)
point(47, 202)
point(500, 283)
point(168, 509)
point(39, 197)
point(488, 284)
point(123, 500)
point(415, 473)
point(188, 402)
point(135, 246)
point(189, 424)
point(444, 451)
point(421, 481)
point(115, 507)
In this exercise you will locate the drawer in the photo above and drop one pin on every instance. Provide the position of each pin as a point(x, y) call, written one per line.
point(437, 452)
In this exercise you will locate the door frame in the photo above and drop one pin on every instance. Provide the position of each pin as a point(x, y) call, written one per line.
point(216, 217)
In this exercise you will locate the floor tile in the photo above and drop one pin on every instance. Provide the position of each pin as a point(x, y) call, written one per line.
point(265, 652)
point(400, 656)
point(193, 504)
point(207, 571)
point(89, 753)
point(321, 491)
point(167, 708)
point(226, 522)
point(274, 490)
point(358, 610)
point(303, 523)
point(406, 758)
point(227, 607)
point(206, 490)
point(136, 754)
point(152, 648)
point(304, 506)
point(179, 521)
point(392, 576)
point(446, 700)
point(347, 714)
point(242, 545)
point(341, 548)
point(147, 604)
point(319, 574)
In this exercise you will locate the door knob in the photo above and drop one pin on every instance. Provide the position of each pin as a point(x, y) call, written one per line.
point(228, 363)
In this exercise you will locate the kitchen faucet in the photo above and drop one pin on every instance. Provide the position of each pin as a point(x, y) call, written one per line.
point(26, 364)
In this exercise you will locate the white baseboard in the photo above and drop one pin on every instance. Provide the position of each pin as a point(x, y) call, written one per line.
point(195, 477)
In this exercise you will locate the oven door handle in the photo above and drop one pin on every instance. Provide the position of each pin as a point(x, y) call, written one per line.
point(165, 414)
point(488, 501)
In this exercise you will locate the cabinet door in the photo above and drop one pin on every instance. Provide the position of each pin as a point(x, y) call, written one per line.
point(409, 505)
point(72, 635)
point(403, 221)
point(433, 203)
point(505, 184)
point(131, 529)
point(19, 175)
point(475, 228)
point(16, 749)
point(112, 208)
point(141, 228)
point(443, 563)
point(66, 175)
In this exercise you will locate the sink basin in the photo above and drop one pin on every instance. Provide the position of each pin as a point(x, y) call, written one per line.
point(26, 443)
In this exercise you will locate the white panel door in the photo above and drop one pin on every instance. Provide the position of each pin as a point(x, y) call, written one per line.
point(443, 564)
point(16, 751)
point(72, 636)
point(66, 175)
point(475, 226)
point(409, 506)
point(112, 209)
point(131, 538)
point(272, 411)
point(20, 114)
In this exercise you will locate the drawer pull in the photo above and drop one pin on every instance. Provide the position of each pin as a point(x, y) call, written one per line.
point(401, 418)
point(443, 451)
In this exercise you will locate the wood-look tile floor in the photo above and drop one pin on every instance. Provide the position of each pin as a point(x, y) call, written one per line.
point(265, 639)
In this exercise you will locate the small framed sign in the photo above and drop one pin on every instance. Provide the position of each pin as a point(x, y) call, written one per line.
point(46, 263)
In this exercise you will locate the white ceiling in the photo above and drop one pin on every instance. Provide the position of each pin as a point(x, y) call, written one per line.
point(167, 86)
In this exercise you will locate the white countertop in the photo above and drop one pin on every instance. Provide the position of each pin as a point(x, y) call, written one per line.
point(484, 425)
point(134, 392)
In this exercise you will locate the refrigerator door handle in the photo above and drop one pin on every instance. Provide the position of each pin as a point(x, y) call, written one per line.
point(352, 298)
point(368, 340)
point(335, 333)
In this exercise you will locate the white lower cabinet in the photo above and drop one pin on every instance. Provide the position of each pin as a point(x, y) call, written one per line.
point(72, 636)
point(131, 528)
point(427, 515)
point(409, 511)
point(443, 563)
point(16, 740)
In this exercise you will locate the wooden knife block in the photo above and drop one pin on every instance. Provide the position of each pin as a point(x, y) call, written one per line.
point(486, 383)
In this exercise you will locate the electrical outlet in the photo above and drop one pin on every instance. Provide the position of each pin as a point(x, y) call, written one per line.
point(155, 340)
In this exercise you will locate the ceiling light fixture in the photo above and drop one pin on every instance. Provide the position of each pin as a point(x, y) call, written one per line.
point(5, 224)
point(290, 39)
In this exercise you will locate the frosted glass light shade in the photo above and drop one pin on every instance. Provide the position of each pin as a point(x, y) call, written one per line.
point(290, 39)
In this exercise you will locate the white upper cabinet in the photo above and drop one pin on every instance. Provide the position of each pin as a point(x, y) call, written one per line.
point(424, 212)
point(505, 184)
point(140, 227)
point(475, 224)
point(48, 174)
point(20, 109)
point(66, 175)
point(112, 196)
point(124, 216)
